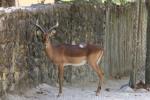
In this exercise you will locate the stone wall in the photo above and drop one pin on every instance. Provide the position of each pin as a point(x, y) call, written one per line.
point(23, 63)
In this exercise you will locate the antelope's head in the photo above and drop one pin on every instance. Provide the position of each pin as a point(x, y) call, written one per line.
point(46, 34)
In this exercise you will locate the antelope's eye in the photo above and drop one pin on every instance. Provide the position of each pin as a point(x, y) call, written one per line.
point(43, 37)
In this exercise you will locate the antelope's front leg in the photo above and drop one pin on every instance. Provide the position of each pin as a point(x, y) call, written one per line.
point(60, 76)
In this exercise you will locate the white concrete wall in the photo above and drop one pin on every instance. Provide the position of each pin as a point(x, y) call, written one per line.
point(30, 2)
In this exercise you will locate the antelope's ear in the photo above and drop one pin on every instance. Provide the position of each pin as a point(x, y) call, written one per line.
point(52, 33)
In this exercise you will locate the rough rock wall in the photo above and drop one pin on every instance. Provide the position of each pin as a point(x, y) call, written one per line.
point(23, 62)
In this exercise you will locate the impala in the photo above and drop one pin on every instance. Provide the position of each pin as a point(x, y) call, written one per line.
point(75, 55)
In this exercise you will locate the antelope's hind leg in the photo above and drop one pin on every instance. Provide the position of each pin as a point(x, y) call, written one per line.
point(100, 76)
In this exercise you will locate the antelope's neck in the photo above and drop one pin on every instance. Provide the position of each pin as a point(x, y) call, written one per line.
point(49, 49)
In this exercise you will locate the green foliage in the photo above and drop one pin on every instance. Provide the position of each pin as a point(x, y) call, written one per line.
point(118, 2)
point(82, 1)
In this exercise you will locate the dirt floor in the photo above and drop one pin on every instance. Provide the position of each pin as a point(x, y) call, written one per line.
point(116, 90)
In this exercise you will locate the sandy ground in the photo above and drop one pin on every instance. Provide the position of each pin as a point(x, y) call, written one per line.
point(85, 92)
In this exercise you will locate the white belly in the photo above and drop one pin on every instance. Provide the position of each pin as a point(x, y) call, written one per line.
point(76, 64)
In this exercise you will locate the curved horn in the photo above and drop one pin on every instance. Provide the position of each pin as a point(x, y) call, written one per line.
point(37, 25)
point(57, 24)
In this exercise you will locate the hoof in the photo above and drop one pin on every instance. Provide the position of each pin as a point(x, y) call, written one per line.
point(97, 93)
point(59, 94)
